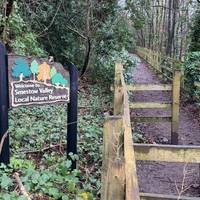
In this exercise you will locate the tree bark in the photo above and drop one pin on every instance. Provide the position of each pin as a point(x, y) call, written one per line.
point(7, 11)
point(88, 42)
point(169, 44)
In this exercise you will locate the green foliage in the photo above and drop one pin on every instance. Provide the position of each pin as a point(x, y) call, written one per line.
point(46, 172)
point(61, 25)
point(192, 74)
point(109, 31)
point(192, 60)
point(104, 68)
point(59, 28)
point(137, 9)
point(114, 39)
point(19, 37)
point(57, 181)
point(195, 33)
point(128, 70)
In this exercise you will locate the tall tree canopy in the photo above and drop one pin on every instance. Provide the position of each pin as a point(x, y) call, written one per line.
point(68, 30)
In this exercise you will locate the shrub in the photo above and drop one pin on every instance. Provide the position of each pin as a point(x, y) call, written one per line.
point(192, 74)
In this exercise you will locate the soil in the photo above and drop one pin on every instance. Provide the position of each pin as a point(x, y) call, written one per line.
point(162, 177)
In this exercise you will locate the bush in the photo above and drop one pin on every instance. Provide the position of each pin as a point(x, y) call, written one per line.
point(111, 44)
point(192, 74)
point(194, 35)
point(20, 38)
point(105, 66)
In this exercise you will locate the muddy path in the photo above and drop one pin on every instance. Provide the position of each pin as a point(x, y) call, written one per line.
point(162, 177)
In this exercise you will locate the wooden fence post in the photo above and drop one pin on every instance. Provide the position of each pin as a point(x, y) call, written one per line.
point(175, 106)
point(113, 175)
point(132, 188)
point(118, 95)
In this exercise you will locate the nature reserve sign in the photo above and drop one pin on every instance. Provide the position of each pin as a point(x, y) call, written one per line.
point(37, 82)
point(26, 81)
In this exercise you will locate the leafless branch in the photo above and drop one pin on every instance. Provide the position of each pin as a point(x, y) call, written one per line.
point(76, 31)
point(183, 187)
point(21, 186)
point(52, 21)
point(2, 141)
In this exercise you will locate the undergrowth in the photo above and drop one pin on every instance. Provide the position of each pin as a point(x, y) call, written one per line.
point(192, 75)
point(38, 149)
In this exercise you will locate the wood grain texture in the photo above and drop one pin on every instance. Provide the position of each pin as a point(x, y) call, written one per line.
point(151, 119)
point(149, 87)
point(138, 105)
point(113, 177)
point(148, 196)
point(132, 188)
point(175, 106)
point(167, 153)
point(118, 92)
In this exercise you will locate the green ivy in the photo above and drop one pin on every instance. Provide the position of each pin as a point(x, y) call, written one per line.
point(47, 173)
point(192, 75)
point(19, 37)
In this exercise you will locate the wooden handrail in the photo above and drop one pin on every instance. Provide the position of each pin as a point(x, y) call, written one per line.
point(156, 60)
point(123, 142)
point(119, 177)
point(131, 184)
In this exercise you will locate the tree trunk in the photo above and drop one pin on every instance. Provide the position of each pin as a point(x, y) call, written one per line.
point(88, 42)
point(21, 77)
point(7, 11)
point(169, 43)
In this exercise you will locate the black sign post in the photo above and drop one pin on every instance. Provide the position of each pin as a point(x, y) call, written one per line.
point(4, 103)
point(72, 114)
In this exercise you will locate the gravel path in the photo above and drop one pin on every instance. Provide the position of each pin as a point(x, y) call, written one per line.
point(161, 177)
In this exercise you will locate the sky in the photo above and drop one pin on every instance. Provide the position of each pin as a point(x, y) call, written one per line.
point(121, 2)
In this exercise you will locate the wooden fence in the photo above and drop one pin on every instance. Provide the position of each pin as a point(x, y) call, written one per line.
point(119, 169)
point(162, 64)
point(174, 105)
point(119, 177)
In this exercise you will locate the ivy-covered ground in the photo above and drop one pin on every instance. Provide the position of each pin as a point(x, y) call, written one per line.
point(38, 149)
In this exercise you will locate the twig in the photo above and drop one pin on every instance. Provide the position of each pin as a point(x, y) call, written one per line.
point(3, 140)
point(52, 21)
point(76, 31)
point(45, 149)
point(21, 186)
point(183, 188)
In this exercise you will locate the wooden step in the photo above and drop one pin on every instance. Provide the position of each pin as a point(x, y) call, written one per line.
point(149, 87)
point(167, 153)
point(149, 196)
point(141, 119)
point(137, 105)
